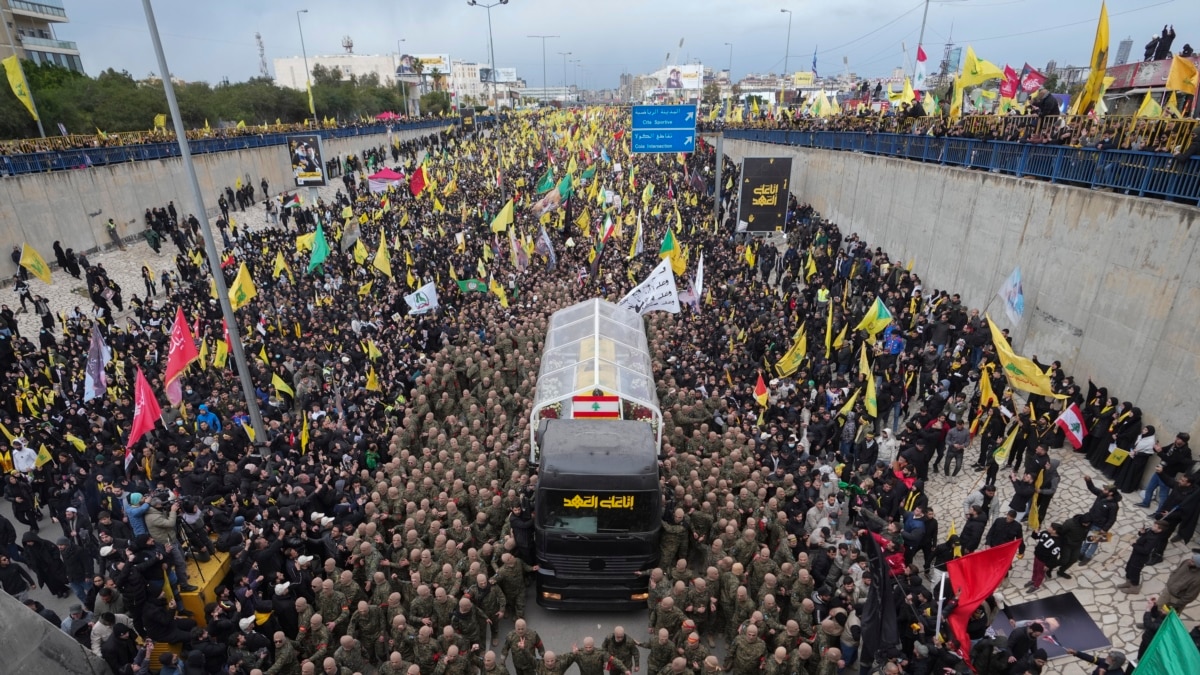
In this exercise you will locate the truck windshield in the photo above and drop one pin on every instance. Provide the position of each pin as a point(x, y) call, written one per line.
point(585, 512)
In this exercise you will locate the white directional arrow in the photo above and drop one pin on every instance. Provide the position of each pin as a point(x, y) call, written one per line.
point(690, 115)
point(687, 141)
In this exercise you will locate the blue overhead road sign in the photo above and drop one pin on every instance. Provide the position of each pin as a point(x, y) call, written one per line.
point(669, 140)
point(664, 117)
point(664, 128)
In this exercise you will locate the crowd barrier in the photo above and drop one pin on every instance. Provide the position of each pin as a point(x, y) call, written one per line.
point(76, 158)
point(1144, 174)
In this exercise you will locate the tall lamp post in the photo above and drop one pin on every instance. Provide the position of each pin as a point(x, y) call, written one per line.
point(210, 245)
point(564, 55)
point(491, 43)
point(492, 56)
point(575, 75)
point(730, 45)
point(788, 50)
point(312, 108)
point(543, 38)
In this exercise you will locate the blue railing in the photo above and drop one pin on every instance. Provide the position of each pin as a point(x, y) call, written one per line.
point(63, 160)
point(1143, 174)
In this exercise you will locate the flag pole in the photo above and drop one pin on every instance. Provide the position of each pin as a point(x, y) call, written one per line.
point(937, 627)
point(210, 245)
point(28, 90)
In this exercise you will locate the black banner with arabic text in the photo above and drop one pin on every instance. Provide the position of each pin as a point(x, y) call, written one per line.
point(763, 198)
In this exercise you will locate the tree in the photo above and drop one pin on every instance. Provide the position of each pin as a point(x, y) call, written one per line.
point(711, 94)
point(437, 76)
point(322, 76)
point(435, 103)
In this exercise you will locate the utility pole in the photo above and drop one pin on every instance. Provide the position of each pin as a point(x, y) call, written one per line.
point(543, 38)
point(788, 50)
point(307, 77)
point(28, 92)
point(210, 245)
point(564, 55)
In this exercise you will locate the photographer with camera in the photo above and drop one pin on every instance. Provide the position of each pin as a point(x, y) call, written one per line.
point(161, 521)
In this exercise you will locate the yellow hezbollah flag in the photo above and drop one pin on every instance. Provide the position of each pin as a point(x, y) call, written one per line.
point(876, 319)
point(242, 291)
point(1000, 455)
point(1091, 94)
point(281, 386)
point(373, 380)
point(383, 259)
point(304, 436)
point(1022, 373)
point(790, 362)
point(1183, 76)
point(503, 219)
point(221, 355)
point(864, 367)
point(360, 252)
point(20, 87)
point(35, 263)
point(496, 288)
point(43, 456)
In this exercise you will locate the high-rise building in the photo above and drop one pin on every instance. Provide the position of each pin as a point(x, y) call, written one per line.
point(1123, 50)
point(30, 33)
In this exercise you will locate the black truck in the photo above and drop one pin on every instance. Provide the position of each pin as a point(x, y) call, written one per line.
point(598, 513)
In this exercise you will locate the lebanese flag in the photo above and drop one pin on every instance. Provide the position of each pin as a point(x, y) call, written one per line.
point(182, 354)
point(596, 407)
point(146, 413)
point(918, 83)
point(973, 578)
point(1071, 422)
point(418, 181)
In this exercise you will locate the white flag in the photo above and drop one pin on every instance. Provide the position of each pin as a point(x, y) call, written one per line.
point(656, 293)
point(1013, 296)
point(698, 282)
point(423, 299)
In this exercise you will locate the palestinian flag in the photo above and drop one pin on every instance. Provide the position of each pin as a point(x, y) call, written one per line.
point(290, 201)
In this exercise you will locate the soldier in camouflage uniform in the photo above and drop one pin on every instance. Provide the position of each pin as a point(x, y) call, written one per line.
point(831, 662)
point(395, 665)
point(739, 612)
point(677, 666)
point(401, 638)
point(470, 622)
point(420, 610)
point(673, 541)
point(694, 651)
point(552, 664)
point(669, 616)
point(745, 658)
point(425, 651)
point(525, 645)
point(623, 648)
point(350, 654)
point(662, 650)
point(452, 663)
point(490, 600)
point(287, 661)
point(592, 661)
point(781, 663)
point(314, 640)
point(368, 627)
point(490, 664)
point(659, 588)
point(511, 580)
point(333, 606)
point(330, 666)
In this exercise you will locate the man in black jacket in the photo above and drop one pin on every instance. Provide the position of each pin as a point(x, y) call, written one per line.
point(1023, 642)
point(1176, 458)
point(14, 578)
point(1006, 529)
point(1181, 508)
point(78, 566)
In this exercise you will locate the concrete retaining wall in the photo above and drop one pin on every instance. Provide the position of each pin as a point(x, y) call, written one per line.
point(73, 206)
point(1111, 287)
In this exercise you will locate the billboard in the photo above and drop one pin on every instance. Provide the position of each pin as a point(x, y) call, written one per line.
point(503, 75)
point(763, 199)
point(804, 78)
point(308, 163)
point(429, 62)
point(680, 77)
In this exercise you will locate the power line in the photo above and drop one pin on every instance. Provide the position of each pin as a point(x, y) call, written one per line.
point(863, 37)
point(1065, 25)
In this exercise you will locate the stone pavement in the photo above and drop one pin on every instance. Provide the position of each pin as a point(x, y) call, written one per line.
point(125, 267)
point(1118, 614)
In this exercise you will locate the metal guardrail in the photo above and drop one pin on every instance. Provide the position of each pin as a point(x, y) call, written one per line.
point(1143, 174)
point(64, 160)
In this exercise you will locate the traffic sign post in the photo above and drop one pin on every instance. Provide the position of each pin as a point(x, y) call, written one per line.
point(663, 128)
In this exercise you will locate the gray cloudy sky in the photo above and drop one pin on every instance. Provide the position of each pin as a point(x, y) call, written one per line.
point(215, 39)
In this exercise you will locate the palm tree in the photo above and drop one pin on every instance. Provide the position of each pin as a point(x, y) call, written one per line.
point(437, 76)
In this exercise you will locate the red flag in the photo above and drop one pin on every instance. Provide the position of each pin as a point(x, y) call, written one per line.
point(182, 353)
point(921, 58)
point(418, 181)
point(146, 412)
point(619, 134)
point(760, 391)
point(1008, 86)
point(1031, 79)
point(973, 578)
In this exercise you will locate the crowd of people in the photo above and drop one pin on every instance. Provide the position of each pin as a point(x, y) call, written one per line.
point(383, 523)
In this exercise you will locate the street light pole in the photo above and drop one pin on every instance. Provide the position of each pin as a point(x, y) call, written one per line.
point(307, 77)
point(28, 91)
point(543, 38)
point(575, 74)
point(788, 51)
point(564, 55)
point(210, 245)
point(730, 45)
point(496, 113)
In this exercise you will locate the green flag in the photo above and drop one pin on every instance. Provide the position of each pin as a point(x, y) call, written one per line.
point(589, 172)
point(472, 286)
point(564, 187)
point(1171, 652)
point(320, 250)
point(546, 184)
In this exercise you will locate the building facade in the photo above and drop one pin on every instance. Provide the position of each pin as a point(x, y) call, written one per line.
point(289, 71)
point(30, 33)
